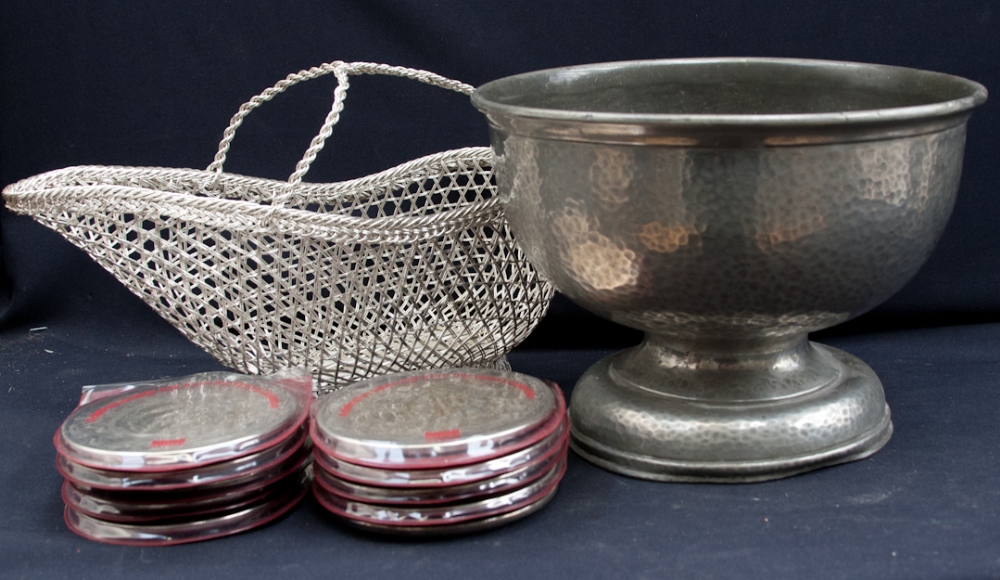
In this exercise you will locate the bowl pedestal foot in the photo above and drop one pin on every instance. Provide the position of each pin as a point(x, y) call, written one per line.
point(661, 411)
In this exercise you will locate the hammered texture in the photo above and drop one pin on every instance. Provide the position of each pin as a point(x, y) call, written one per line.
point(697, 242)
point(727, 258)
point(641, 422)
point(728, 207)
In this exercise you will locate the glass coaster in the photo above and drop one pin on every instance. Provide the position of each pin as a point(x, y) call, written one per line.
point(447, 476)
point(238, 471)
point(181, 425)
point(160, 506)
point(424, 420)
point(468, 527)
point(437, 515)
point(182, 532)
point(436, 495)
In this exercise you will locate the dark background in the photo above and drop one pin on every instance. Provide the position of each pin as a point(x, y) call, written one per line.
point(139, 83)
point(155, 83)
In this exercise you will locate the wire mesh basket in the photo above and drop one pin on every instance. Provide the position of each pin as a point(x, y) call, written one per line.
point(410, 268)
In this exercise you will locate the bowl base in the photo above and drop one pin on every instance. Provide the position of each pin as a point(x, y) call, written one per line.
point(650, 431)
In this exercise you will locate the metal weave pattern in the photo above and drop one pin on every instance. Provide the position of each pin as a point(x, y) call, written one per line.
point(410, 268)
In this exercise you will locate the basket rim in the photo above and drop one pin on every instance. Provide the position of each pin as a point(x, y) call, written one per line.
point(25, 196)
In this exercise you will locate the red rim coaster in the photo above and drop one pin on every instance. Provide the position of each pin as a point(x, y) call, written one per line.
point(446, 476)
point(182, 532)
point(255, 467)
point(186, 423)
point(469, 527)
point(499, 484)
point(426, 420)
point(441, 515)
point(181, 506)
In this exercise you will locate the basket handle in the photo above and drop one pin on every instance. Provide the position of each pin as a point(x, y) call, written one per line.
point(342, 70)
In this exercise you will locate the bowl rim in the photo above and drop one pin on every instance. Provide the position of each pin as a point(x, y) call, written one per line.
point(485, 99)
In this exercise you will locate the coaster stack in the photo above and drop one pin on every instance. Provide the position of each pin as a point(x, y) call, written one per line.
point(183, 462)
point(439, 452)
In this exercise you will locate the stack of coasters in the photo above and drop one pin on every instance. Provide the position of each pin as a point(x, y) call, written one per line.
point(439, 452)
point(188, 459)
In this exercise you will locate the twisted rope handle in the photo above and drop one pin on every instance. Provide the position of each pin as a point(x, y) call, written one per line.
point(342, 70)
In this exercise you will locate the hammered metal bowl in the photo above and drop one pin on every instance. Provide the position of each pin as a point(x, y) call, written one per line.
point(728, 207)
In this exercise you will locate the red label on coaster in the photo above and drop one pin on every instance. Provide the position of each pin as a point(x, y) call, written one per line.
point(97, 414)
point(167, 442)
point(272, 399)
point(442, 435)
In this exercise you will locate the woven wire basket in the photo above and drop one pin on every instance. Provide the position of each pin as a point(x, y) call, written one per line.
point(410, 268)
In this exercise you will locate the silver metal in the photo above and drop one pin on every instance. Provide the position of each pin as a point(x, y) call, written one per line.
point(437, 418)
point(728, 207)
point(181, 425)
point(153, 507)
point(449, 476)
point(443, 515)
point(171, 532)
point(410, 268)
point(469, 527)
point(268, 465)
point(438, 495)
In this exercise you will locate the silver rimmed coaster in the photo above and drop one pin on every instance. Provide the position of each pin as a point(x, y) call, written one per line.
point(180, 425)
point(442, 515)
point(468, 527)
point(280, 457)
point(159, 507)
point(181, 532)
point(552, 445)
point(499, 484)
point(425, 420)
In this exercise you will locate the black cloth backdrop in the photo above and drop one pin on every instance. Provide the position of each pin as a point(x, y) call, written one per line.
point(155, 83)
point(136, 84)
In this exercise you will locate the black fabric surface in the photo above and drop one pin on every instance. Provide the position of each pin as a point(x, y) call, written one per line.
point(144, 83)
point(925, 506)
point(155, 83)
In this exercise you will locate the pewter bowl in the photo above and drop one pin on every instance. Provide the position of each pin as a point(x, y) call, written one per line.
point(728, 207)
